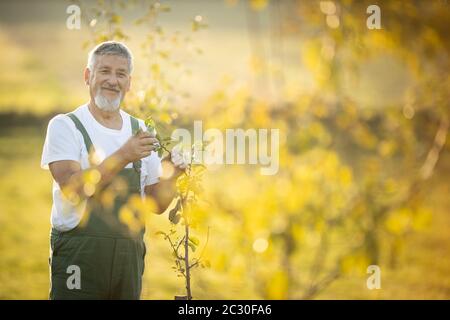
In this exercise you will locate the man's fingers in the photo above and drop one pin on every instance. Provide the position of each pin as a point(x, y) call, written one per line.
point(145, 154)
point(177, 162)
point(148, 148)
point(174, 155)
point(144, 134)
point(151, 133)
point(177, 148)
point(148, 141)
point(140, 132)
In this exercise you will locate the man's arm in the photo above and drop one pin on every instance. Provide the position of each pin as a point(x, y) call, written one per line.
point(70, 177)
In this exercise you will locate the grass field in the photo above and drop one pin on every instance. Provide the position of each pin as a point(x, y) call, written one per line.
point(25, 201)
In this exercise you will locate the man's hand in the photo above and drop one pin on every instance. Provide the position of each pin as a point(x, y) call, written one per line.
point(138, 146)
point(179, 158)
point(69, 175)
point(165, 190)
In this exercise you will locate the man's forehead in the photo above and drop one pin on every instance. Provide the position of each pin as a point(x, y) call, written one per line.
point(112, 61)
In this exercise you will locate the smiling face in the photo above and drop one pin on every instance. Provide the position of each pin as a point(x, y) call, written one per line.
point(109, 81)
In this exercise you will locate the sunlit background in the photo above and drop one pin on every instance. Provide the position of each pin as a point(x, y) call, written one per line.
point(363, 116)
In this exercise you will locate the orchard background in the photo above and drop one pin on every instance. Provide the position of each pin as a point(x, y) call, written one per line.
point(364, 150)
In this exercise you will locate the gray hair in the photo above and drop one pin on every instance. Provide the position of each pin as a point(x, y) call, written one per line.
point(110, 48)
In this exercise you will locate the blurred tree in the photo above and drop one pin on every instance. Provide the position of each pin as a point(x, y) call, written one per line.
point(377, 117)
point(356, 149)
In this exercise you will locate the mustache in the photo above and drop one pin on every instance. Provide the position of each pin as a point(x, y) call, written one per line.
point(111, 88)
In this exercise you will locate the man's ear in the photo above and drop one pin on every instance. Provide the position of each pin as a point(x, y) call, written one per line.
point(87, 76)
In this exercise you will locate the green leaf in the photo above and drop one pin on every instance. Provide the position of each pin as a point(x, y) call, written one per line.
point(192, 246)
point(194, 240)
point(174, 217)
point(149, 122)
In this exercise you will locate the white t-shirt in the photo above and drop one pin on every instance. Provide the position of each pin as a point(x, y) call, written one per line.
point(65, 142)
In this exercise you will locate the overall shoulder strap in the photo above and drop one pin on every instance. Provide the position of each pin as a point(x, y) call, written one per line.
point(134, 128)
point(80, 127)
point(134, 125)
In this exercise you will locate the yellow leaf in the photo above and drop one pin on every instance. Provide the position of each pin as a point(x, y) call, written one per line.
point(399, 221)
point(277, 286)
point(422, 219)
point(354, 264)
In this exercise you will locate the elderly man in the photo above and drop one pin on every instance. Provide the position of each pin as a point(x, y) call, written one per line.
point(101, 159)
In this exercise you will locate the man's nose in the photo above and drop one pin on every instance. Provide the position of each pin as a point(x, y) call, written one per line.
point(112, 80)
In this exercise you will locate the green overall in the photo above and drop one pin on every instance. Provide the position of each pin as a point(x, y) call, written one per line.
point(101, 258)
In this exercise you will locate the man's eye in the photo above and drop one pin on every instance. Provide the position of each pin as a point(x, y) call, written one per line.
point(104, 71)
point(121, 75)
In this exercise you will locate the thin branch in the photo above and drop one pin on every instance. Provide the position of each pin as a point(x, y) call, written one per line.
point(433, 154)
point(179, 243)
point(427, 168)
point(320, 257)
point(167, 237)
point(320, 285)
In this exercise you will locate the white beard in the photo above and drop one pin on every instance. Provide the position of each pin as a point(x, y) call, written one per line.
point(105, 104)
